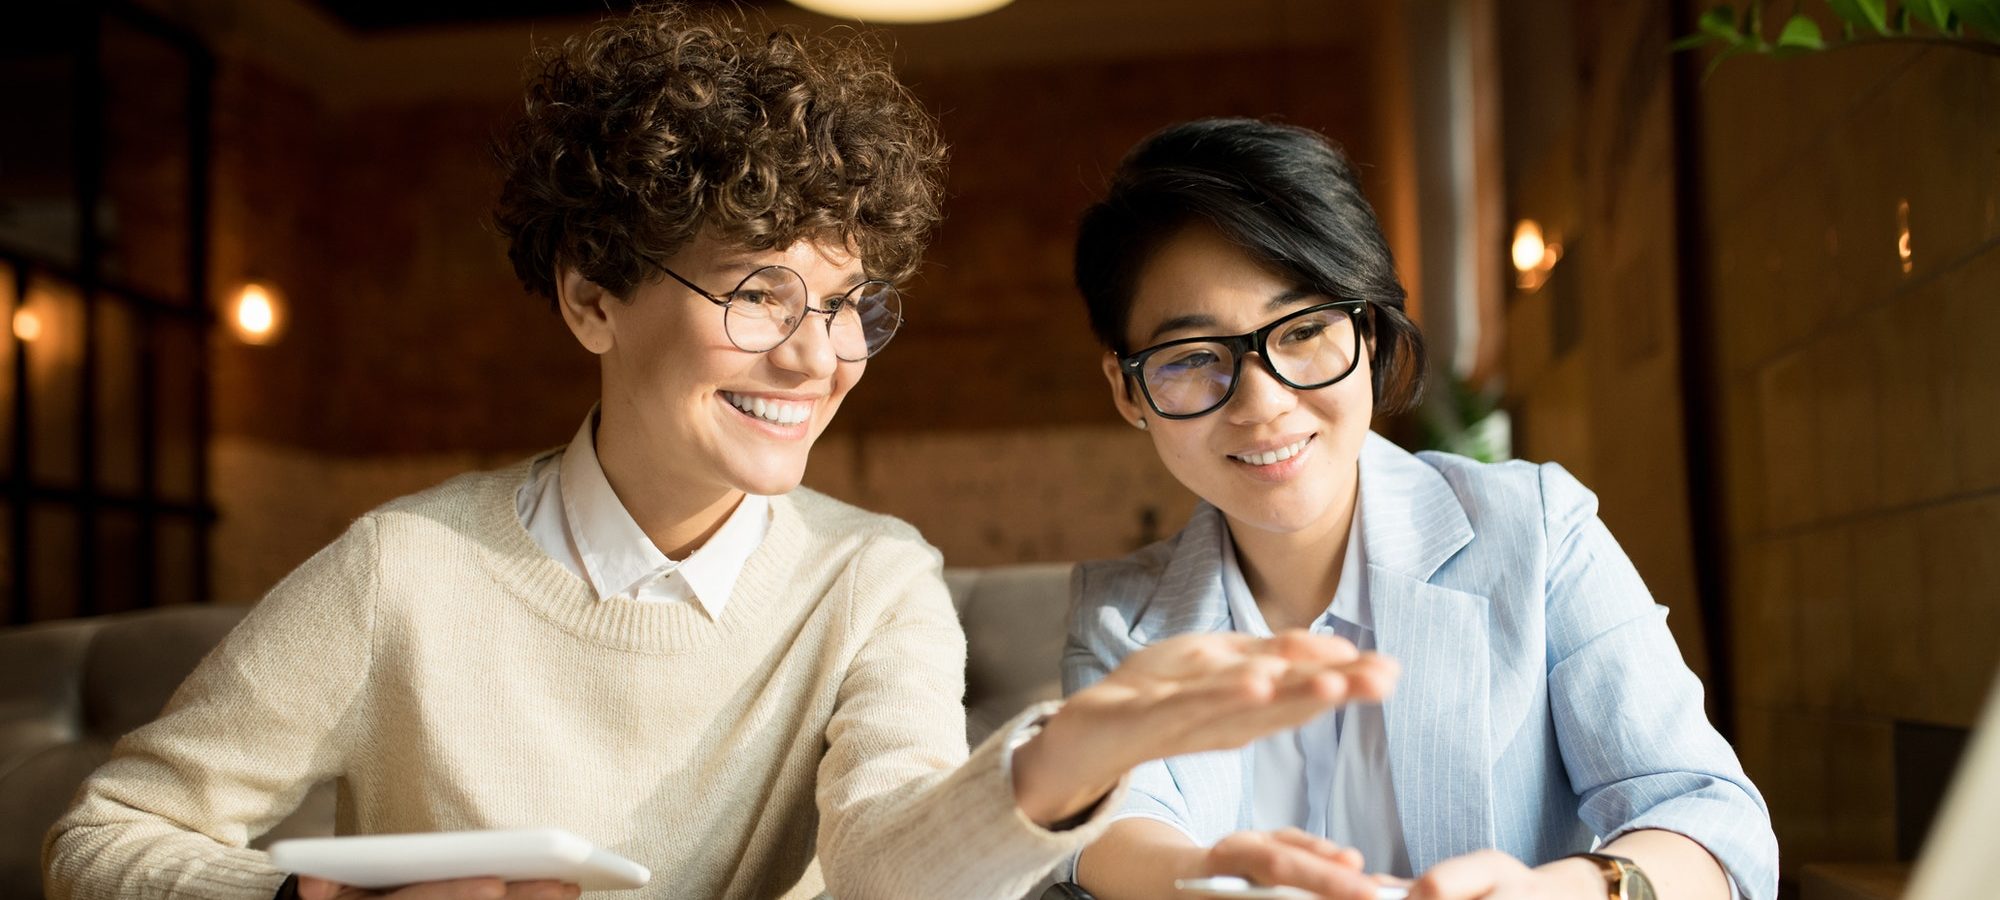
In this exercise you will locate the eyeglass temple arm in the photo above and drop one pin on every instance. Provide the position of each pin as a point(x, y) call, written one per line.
point(692, 286)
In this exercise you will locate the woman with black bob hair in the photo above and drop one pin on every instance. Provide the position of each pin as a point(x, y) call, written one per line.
point(1545, 740)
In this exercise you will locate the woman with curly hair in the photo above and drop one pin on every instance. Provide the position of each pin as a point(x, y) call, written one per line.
point(653, 637)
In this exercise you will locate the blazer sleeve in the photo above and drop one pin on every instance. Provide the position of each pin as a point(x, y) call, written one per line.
point(1096, 645)
point(1629, 719)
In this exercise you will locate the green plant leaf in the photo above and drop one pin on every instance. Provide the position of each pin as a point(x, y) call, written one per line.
point(1930, 12)
point(1720, 23)
point(1872, 13)
point(1981, 14)
point(1726, 53)
point(1800, 35)
point(1690, 42)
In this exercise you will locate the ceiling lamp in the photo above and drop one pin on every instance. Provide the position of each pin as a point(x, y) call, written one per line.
point(902, 11)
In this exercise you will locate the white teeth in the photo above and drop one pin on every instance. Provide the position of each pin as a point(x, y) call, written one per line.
point(1272, 456)
point(777, 412)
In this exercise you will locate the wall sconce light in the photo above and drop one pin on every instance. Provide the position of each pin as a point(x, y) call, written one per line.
point(257, 313)
point(27, 325)
point(1903, 236)
point(1533, 256)
point(902, 11)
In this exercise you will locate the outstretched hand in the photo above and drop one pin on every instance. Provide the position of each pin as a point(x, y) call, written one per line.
point(1188, 694)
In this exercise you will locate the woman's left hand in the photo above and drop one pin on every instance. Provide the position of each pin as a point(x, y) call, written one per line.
point(1493, 875)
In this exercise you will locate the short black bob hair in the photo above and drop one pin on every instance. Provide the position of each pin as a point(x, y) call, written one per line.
point(1285, 194)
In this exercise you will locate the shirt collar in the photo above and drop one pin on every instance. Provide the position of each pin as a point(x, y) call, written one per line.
point(619, 560)
point(1346, 604)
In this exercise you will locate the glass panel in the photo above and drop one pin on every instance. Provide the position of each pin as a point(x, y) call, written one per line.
point(50, 326)
point(176, 390)
point(9, 590)
point(38, 67)
point(144, 216)
point(52, 582)
point(120, 575)
point(120, 391)
point(180, 544)
point(7, 344)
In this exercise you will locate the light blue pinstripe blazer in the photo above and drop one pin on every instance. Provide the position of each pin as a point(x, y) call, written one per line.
point(1542, 703)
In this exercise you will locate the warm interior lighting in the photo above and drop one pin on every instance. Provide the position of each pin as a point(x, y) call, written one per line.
point(27, 325)
point(1903, 236)
point(1533, 255)
point(1528, 246)
point(902, 11)
point(257, 315)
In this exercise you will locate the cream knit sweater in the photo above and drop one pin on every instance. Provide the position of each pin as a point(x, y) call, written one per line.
point(450, 675)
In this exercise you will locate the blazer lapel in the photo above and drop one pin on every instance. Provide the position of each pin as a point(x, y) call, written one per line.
point(1412, 523)
point(1189, 598)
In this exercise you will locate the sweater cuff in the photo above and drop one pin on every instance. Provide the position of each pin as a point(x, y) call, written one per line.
point(1088, 824)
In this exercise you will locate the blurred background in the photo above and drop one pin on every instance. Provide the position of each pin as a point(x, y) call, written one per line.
point(253, 291)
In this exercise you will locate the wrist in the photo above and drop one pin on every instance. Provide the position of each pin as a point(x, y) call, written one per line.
point(1575, 877)
point(1055, 776)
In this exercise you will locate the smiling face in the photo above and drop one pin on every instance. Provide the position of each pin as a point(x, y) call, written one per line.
point(685, 406)
point(1273, 457)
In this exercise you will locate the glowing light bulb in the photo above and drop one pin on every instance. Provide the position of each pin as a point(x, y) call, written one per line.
point(27, 325)
point(1903, 236)
point(1529, 249)
point(257, 315)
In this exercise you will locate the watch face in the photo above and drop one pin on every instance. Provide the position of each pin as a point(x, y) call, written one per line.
point(1634, 885)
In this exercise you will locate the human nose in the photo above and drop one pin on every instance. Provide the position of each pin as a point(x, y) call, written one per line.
point(809, 351)
point(1260, 396)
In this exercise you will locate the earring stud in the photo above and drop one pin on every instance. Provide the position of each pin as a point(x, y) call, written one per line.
point(1141, 424)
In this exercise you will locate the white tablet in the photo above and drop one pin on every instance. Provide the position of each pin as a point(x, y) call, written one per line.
point(392, 860)
point(1233, 888)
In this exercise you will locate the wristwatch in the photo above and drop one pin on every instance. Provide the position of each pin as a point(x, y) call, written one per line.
point(1623, 879)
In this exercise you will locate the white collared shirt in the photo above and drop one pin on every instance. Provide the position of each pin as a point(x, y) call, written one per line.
point(569, 508)
point(1329, 777)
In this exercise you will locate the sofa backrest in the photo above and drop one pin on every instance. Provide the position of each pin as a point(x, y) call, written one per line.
point(69, 690)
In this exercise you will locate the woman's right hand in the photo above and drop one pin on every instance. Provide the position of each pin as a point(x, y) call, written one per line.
point(462, 889)
point(1291, 858)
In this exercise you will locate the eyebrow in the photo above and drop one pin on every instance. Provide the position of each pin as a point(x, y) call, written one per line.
point(1203, 320)
point(740, 267)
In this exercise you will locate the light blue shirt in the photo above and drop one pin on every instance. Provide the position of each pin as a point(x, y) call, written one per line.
point(1330, 777)
point(1543, 705)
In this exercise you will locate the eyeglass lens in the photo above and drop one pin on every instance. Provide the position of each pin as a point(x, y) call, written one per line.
point(769, 305)
point(1309, 351)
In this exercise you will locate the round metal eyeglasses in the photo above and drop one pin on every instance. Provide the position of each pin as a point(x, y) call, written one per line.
point(1305, 350)
point(769, 305)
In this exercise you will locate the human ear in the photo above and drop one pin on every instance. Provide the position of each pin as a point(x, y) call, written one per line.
point(1130, 407)
point(587, 308)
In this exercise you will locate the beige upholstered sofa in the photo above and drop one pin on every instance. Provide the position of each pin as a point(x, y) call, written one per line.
point(68, 690)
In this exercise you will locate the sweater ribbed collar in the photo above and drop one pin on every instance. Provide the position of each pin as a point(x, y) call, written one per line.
point(557, 595)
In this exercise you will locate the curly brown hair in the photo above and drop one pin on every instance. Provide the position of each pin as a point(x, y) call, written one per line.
point(659, 125)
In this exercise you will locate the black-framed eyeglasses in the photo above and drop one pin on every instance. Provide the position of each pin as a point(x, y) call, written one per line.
point(1304, 350)
point(769, 305)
